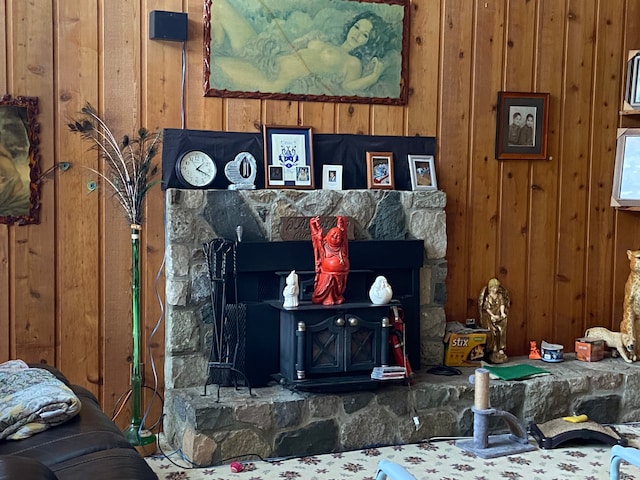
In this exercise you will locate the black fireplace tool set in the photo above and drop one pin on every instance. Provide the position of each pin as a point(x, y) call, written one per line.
point(226, 356)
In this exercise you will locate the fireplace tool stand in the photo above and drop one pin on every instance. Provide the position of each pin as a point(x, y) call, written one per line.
point(226, 318)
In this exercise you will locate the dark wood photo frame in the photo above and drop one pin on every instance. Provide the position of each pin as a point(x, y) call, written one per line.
point(522, 124)
point(626, 176)
point(288, 157)
point(272, 49)
point(19, 160)
point(380, 170)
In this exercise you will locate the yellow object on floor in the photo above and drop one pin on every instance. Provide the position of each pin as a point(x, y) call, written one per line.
point(576, 418)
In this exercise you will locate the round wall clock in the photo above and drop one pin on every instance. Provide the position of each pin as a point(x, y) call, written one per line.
point(196, 169)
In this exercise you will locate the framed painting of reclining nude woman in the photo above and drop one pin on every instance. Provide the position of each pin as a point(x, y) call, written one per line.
point(353, 51)
point(19, 160)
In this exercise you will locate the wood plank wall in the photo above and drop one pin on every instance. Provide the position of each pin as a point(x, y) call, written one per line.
point(544, 228)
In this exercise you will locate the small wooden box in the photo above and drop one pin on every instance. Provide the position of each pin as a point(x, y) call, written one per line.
point(589, 349)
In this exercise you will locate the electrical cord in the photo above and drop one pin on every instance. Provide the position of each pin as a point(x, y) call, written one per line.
point(122, 400)
point(444, 370)
point(182, 83)
point(150, 351)
point(193, 465)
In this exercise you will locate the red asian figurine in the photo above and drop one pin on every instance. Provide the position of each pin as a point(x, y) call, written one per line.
point(331, 262)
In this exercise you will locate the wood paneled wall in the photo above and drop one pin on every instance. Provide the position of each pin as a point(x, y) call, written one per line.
point(544, 228)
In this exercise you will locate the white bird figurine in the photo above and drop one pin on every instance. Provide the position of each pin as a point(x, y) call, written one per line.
point(291, 290)
point(380, 292)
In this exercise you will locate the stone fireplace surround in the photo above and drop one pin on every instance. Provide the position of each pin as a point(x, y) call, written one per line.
point(193, 217)
point(196, 216)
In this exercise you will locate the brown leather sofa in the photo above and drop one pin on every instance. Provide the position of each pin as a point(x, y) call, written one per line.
point(88, 446)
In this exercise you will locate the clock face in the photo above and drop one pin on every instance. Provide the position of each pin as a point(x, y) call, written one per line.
point(196, 169)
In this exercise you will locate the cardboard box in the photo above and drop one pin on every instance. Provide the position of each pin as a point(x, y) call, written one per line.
point(589, 349)
point(464, 347)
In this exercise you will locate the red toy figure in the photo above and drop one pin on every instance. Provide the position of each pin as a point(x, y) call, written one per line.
point(535, 353)
point(331, 262)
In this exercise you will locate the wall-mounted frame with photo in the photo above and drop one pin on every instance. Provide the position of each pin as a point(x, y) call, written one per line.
point(380, 170)
point(353, 51)
point(288, 157)
point(632, 88)
point(626, 177)
point(19, 160)
point(522, 126)
point(332, 177)
point(422, 170)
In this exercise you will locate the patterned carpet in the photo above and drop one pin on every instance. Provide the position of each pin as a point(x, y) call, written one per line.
point(433, 460)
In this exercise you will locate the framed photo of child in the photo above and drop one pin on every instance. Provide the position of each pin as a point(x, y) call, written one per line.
point(332, 177)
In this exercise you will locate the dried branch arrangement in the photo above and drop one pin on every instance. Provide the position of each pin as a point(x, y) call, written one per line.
point(128, 164)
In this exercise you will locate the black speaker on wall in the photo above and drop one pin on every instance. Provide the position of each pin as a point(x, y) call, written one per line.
point(168, 26)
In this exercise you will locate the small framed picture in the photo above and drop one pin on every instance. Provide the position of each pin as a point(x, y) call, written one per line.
point(423, 172)
point(380, 170)
point(626, 176)
point(288, 157)
point(521, 126)
point(632, 90)
point(332, 177)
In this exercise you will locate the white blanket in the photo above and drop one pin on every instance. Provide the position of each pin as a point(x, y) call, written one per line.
point(32, 400)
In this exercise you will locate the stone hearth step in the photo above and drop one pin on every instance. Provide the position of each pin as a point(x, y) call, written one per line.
point(278, 422)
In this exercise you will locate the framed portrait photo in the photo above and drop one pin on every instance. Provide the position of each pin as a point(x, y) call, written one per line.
point(332, 177)
point(19, 160)
point(522, 126)
point(352, 51)
point(380, 170)
point(288, 157)
point(632, 87)
point(626, 176)
point(423, 172)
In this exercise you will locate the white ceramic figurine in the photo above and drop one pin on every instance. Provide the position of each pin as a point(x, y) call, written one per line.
point(380, 292)
point(290, 292)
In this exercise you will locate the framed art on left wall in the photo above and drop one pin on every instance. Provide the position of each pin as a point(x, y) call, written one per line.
point(19, 160)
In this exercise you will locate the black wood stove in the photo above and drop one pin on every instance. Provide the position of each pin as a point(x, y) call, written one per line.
point(316, 346)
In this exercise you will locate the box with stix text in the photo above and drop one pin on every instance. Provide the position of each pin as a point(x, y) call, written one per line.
point(464, 347)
